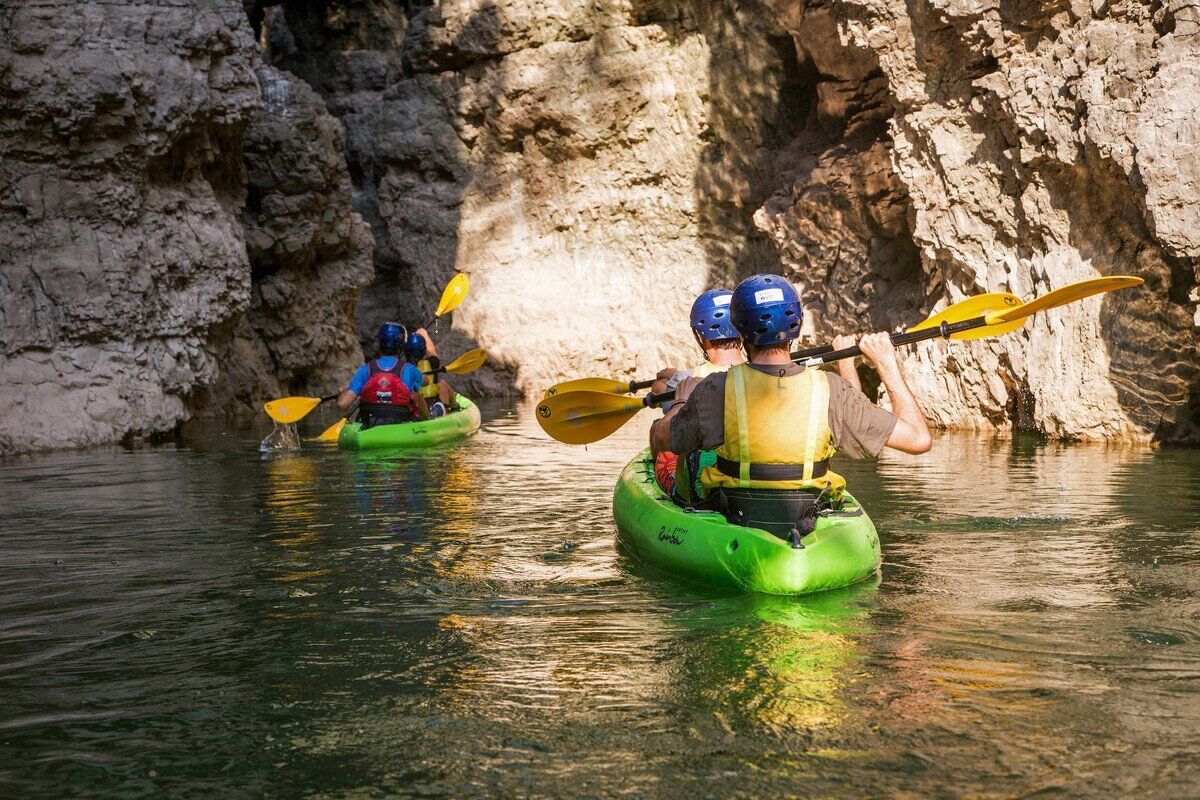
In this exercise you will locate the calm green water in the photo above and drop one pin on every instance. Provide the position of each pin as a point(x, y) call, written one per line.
point(196, 620)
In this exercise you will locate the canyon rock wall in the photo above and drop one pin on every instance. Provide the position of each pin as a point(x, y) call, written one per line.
point(127, 297)
point(1038, 143)
point(195, 194)
point(593, 164)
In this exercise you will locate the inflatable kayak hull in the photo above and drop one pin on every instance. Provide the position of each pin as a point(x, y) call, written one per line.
point(426, 433)
point(702, 546)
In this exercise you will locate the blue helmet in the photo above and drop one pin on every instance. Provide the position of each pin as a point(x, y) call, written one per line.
point(710, 316)
point(414, 348)
point(391, 338)
point(766, 310)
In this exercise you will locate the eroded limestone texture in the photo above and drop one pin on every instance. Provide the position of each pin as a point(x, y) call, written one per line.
point(180, 233)
point(590, 165)
point(1038, 143)
point(127, 299)
point(593, 164)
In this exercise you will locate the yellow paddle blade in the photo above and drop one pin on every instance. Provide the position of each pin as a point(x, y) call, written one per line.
point(1067, 294)
point(331, 433)
point(467, 362)
point(583, 417)
point(290, 409)
point(454, 293)
point(589, 385)
point(974, 307)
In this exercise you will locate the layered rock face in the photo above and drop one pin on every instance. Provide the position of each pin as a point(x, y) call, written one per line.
point(127, 298)
point(592, 165)
point(1037, 143)
point(182, 225)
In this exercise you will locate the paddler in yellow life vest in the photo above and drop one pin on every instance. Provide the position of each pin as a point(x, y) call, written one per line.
point(722, 347)
point(420, 352)
point(773, 425)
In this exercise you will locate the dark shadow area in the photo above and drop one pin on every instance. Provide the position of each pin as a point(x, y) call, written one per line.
point(406, 160)
point(798, 178)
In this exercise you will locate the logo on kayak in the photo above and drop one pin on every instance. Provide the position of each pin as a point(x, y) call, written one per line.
point(671, 537)
point(544, 411)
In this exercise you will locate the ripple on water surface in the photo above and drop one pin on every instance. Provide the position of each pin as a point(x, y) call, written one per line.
point(204, 619)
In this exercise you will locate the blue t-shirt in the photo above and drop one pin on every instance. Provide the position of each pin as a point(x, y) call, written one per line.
point(410, 375)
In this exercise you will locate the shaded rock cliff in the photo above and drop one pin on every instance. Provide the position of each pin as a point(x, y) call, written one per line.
point(591, 165)
point(128, 298)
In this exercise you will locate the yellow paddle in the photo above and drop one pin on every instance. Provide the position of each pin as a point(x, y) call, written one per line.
point(971, 307)
point(292, 409)
point(586, 416)
point(1064, 295)
point(452, 296)
point(598, 385)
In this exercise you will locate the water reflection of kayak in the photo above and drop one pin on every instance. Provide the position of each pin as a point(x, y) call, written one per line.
point(704, 547)
point(425, 433)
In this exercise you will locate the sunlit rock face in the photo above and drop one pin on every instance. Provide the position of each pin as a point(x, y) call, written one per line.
point(1033, 144)
point(593, 165)
point(127, 297)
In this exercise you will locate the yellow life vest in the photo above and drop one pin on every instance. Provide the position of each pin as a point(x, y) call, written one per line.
point(777, 433)
point(429, 389)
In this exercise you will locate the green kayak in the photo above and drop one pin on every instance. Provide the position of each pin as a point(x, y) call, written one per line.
point(427, 433)
point(704, 547)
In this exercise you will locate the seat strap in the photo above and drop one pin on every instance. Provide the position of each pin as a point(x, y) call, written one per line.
point(772, 472)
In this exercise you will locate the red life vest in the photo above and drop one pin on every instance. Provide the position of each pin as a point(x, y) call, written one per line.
point(384, 387)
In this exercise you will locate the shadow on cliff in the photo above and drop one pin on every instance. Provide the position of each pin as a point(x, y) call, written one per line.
point(759, 98)
point(409, 167)
point(798, 136)
point(1149, 332)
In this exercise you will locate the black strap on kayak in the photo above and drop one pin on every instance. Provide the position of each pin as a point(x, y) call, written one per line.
point(771, 472)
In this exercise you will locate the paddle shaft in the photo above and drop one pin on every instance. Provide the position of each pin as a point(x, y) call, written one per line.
point(943, 331)
point(897, 340)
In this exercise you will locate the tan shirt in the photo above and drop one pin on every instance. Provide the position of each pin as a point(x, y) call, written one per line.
point(860, 428)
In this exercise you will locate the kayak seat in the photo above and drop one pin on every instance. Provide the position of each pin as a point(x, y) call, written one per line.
point(372, 414)
point(788, 514)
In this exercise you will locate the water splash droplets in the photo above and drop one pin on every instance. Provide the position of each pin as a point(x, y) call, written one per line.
point(284, 438)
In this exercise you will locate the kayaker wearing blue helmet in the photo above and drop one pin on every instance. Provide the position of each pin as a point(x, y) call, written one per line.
point(421, 353)
point(382, 371)
point(772, 424)
point(722, 347)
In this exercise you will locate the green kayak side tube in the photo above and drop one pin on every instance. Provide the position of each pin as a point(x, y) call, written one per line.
point(426, 433)
point(702, 546)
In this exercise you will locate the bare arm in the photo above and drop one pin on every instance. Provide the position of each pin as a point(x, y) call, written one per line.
point(846, 367)
point(911, 434)
point(346, 399)
point(422, 408)
point(430, 350)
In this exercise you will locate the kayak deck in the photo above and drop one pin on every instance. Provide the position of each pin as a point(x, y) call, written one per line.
point(423, 433)
point(703, 546)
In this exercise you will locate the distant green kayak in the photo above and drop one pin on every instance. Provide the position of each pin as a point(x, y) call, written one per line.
point(704, 547)
point(426, 433)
